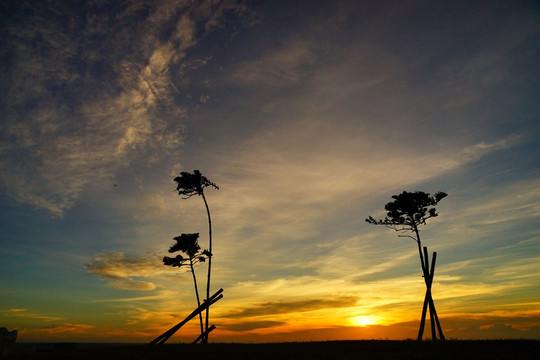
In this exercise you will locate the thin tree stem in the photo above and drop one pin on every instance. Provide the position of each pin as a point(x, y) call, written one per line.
point(209, 263)
point(424, 270)
point(196, 292)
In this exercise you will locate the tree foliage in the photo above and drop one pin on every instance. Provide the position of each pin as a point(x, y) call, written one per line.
point(408, 210)
point(190, 184)
point(189, 245)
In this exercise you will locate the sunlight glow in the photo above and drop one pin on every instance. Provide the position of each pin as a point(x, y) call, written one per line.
point(364, 320)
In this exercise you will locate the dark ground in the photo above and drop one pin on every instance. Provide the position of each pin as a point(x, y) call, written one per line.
point(375, 349)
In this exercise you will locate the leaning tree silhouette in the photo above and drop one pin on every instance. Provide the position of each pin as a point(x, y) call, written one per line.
point(405, 214)
point(189, 245)
point(188, 185)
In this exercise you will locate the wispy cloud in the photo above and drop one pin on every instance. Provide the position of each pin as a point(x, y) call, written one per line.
point(18, 310)
point(120, 269)
point(278, 196)
point(285, 66)
point(101, 95)
point(162, 294)
point(63, 328)
point(283, 307)
point(26, 314)
point(150, 207)
point(519, 201)
point(252, 325)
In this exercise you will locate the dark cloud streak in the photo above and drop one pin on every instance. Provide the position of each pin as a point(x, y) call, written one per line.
point(252, 325)
point(284, 307)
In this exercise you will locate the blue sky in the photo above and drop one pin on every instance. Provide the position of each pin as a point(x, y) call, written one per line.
point(309, 116)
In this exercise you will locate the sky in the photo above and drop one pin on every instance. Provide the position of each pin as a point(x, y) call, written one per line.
point(309, 116)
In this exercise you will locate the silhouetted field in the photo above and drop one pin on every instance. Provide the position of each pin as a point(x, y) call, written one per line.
point(376, 349)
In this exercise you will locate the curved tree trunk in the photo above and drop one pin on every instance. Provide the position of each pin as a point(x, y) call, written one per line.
point(205, 340)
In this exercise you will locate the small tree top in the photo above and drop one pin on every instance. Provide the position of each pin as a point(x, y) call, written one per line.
point(189, 245)
point(177, 261)
point(189, 184)
point(409, 209)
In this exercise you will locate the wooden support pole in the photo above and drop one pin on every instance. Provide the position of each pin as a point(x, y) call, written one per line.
point(428, 300)
point(432, 304)
point(439, 326)
point(436, 317)
point(423, 318)
point(204, 334)
point(425, 268)
point(207, 303)
point(429, 282)
point(432, 321)
point(165, 336)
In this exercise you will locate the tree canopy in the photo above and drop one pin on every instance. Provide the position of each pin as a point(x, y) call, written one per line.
point(409, 209)
point(189, 245)
point(189, 184)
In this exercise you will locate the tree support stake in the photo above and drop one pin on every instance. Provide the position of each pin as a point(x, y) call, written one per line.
point(161, 339)
point(428, 300)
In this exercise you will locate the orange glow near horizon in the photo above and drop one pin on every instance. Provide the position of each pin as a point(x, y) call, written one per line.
point(360, 327)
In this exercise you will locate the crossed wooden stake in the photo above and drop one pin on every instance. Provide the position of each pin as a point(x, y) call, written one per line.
point(207, 303)
point(428, 299)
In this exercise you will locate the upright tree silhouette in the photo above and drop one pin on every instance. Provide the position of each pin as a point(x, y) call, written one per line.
point(405, 214)
point(189, 245)
point(188, 185)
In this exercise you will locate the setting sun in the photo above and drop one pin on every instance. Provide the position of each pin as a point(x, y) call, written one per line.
point(364, 320)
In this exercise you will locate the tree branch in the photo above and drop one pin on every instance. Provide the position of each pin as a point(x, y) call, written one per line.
point(408, 236)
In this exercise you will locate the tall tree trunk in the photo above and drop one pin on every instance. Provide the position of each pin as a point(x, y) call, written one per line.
point(209, 264)
point(196, 292)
